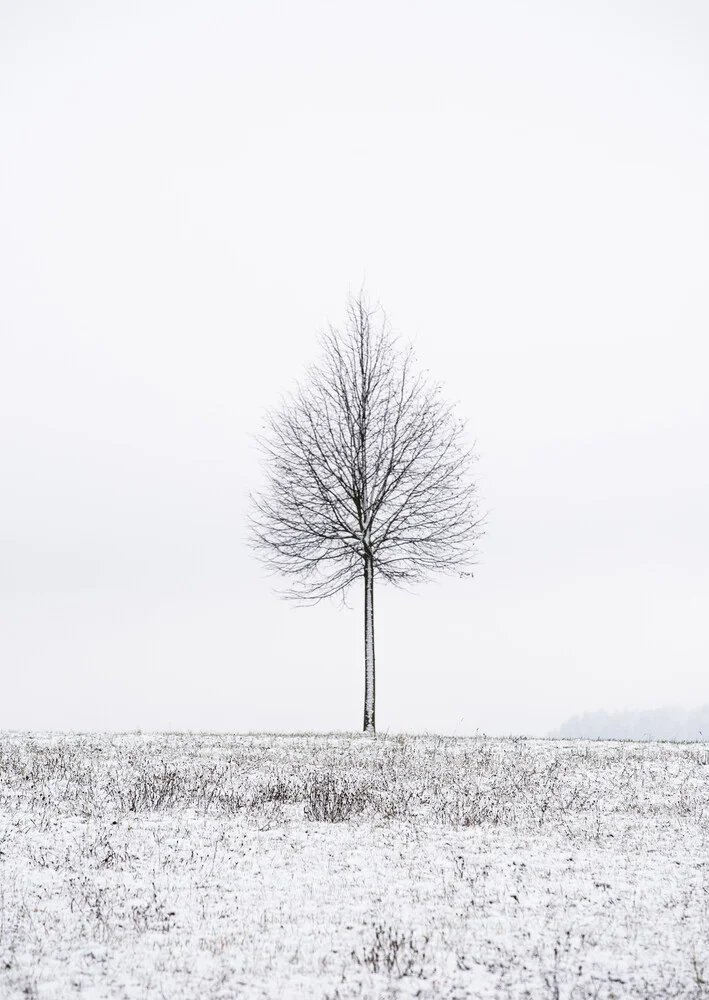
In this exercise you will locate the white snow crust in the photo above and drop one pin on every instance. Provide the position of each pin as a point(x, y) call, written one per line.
point(337, 867)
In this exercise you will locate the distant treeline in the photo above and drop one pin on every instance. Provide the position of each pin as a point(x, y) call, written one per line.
point(668, 723)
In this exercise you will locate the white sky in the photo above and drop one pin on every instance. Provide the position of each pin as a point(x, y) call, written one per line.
point(188, 191)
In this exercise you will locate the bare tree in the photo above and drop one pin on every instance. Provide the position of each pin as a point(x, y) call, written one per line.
point(368, 474)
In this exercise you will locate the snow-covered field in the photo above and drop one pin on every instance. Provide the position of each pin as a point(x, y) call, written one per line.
point(211, 866)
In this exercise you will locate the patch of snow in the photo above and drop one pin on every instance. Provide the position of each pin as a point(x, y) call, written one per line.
point(340, 867)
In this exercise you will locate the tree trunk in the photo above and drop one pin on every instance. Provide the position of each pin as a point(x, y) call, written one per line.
point(369, 644)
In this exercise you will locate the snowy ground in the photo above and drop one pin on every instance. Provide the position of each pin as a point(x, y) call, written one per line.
point(188, 866)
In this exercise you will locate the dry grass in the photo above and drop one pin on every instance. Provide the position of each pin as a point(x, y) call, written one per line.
point(195, 865)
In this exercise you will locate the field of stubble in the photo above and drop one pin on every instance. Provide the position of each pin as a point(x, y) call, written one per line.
point(213, 866)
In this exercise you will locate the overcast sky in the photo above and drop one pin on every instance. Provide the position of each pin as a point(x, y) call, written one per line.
point(188, 191)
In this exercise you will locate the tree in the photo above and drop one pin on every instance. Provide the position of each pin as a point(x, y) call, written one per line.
point(368, 474)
